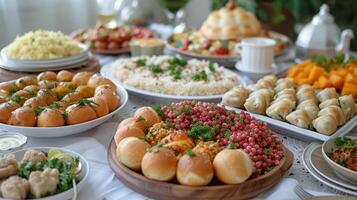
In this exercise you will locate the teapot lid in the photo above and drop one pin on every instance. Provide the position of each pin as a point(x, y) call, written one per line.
point(324, 16)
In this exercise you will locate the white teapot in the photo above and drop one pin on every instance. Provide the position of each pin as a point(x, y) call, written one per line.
point(322, 37)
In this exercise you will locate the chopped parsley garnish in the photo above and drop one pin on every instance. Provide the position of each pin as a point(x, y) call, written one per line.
point(224, 43)
point(190, 153)
point(345, 142)
point(85, 102)
point(178, 61)
point(155, 69)
point(39, 110)
point(141, 62)
point(158, 110)
point(200, 76)
point(140, 118)
point(211, 67)
point(204, 132)
point(232, 145)
point(156, 148)
point(267, 150)
point(168, 124)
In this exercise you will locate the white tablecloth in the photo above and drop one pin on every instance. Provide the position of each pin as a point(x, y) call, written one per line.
point(103, 184)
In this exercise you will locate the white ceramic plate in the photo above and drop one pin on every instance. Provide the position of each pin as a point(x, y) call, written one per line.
point(291, 130)
point(320, 166)
point(227, 61)
point(344, 172)
point(162, 98)
point(306, 160)
point(41, 65)
point(83, 174)
point(49, 132)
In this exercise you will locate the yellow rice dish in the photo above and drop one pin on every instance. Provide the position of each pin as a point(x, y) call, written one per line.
point(42, 45)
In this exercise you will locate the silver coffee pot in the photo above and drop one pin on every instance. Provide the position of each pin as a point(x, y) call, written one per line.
point(322, 37)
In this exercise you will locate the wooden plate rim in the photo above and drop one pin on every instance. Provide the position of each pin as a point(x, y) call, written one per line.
point(285, 163)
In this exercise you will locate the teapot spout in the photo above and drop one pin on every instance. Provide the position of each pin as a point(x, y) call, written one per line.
point(344, 45)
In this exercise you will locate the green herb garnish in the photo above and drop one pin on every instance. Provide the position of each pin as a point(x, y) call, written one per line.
point(345, 142)
point(141, 62)
point(158, 110)
point(140, 118)
point(85, 102)
point(155, 69)
point(204, 132)
point(224, 43)
point(267, 150)
point(200, 76)
point(232, 146)
point(211, 67)
point(190, 153)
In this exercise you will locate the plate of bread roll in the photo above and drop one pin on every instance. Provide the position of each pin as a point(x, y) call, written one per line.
point(197, 150)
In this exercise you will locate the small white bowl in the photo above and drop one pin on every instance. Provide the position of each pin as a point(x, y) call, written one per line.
point(83, 173)
point(349, 174)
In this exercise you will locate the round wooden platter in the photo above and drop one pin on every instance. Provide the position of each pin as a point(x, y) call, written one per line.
point(216, 190)
point(91, 65)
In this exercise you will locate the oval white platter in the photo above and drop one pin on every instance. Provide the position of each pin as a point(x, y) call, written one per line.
point(291, 130)
point(306, 160)
point(83, 173)
point(49, 132)
point(227, 61)
point(41, 65)
point(106, 71)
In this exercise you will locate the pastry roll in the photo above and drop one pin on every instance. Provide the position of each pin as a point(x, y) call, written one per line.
point(325, 124)
point(327, 93)
point(307, 95)
point(348, 106)
point(334, 111)
point(329, 102)
point(280, 109)
point(266, 82)
point(284, 83)
point(304, 88)
point(310, 107)
point(236, 97)
point(299, 118)
point(258, 101)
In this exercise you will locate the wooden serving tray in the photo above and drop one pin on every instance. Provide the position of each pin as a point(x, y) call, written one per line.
point(216, 190)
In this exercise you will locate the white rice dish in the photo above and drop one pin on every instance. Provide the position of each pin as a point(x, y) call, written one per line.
point(41, 45)
point(174, 76)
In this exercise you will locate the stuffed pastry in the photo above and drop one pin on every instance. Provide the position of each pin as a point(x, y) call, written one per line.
point(236, 97)
point(348, 106)
point(327, 93)
point(335, 111)
point(329, 102)
point(299, 118)
point(325, 124)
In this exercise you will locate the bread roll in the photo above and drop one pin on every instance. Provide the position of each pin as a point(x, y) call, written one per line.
point(159, 164)
point(232, 166)
point(130, 151)
point(132, 121)
point(194, 170)
point(148, 114)
point(127, 131)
